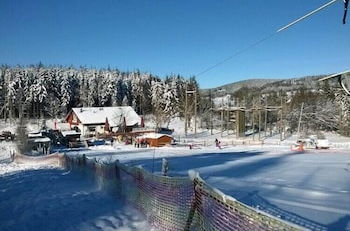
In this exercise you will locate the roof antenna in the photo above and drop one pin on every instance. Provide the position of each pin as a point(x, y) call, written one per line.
point(346, 4)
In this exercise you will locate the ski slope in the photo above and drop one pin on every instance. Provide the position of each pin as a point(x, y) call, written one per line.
point(311, 189)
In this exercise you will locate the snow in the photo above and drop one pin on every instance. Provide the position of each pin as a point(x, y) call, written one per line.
point(35, 135)
point(310, 189)
point(9, 126)
point(98, 115)
point(153, 135)
point(52, 199)
point(50, 123)
point(69, 133)
point(7, 167)
point(224, 100)
point(43, 197)
point(42, 140)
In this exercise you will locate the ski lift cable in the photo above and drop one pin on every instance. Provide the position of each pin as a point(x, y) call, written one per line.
point(307, 15)
point(237, 53)
point(271, 35)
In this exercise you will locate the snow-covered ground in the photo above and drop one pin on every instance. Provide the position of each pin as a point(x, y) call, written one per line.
point(52, 199)
point(40, 197)
point(311, 189)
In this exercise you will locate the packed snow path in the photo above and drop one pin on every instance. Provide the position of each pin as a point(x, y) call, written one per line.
point(310, 189)
point(52, 199)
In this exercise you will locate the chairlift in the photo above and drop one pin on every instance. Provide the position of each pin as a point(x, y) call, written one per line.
point(343, 79)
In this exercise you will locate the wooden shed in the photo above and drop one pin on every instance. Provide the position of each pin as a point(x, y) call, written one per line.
point(157, 139)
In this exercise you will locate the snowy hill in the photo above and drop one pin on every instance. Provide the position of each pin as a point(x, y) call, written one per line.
point(266, 85)
point(233, 87)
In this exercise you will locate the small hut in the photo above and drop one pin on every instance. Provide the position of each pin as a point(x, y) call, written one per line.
point(42, 145)
point(157, 139)
point(71, 138)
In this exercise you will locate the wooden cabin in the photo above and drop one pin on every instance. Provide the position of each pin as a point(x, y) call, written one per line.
point(157, 139)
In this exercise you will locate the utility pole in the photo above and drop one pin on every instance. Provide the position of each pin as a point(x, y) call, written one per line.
point(186, 105)
point(281, 123)
point(301, 113)
point(227, 118)
point(195, 113)
point(265, 128)
point(193, 93)
point(222, 116)
point(259, 105)
point(211, 112)
point(253, 119)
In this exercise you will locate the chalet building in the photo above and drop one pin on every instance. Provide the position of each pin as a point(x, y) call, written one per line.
point(90, 121)
point(157, 139)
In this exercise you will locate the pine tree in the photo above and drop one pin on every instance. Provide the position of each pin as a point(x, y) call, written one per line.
point(157, 91)
point(66, 91)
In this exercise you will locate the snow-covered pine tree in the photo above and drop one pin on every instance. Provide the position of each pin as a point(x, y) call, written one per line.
point(106, 87)
point(157, 91)
point(49, 90)
point(119, 92)
point(170, 100)
point(92, 96)
point(66, 91)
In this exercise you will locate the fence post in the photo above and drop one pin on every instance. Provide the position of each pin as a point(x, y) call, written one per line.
point(118, 178)
point(194, 176)
point(84, 160)
point(12, 155)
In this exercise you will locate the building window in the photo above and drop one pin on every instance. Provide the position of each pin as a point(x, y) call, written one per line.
point(92, 129)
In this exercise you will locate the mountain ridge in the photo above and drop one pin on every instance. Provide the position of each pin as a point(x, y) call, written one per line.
point(265, 85)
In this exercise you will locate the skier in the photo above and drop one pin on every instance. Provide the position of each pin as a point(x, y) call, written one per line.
point(217, 143)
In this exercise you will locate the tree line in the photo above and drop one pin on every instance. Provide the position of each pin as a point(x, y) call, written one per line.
point(326, 107)
point(39, 91)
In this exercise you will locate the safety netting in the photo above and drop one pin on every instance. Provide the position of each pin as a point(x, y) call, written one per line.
point(48, 160)
point(217, 211)
point(176, 203)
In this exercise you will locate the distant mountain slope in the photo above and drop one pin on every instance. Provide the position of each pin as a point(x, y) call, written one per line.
point(266, 85)
point(232, 87)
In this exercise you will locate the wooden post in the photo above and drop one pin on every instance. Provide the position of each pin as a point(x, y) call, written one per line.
point(301, 113)
point(259, 108)
point(186, 105)
point(265, 128)
point(281, 123)
point(222, 116)
point(195, 113)
point(253, 108)
point(227, 119)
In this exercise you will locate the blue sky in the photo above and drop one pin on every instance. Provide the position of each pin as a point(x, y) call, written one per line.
point(177, 36)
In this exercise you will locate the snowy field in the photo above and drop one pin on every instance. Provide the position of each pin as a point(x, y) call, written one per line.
point(51, 199)
point(35, 197)
point(311, 189)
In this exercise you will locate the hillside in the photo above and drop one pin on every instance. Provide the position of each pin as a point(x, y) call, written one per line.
point(232, 87)
point(266, 85)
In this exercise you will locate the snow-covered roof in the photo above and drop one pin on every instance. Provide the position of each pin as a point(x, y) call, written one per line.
point(59, 125)
point(115, 115)
point(42, 140)
point(154, 135)
point(35, 135)
point(70, 133)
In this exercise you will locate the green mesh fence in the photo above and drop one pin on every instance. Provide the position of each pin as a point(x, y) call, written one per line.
point(176, 203)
